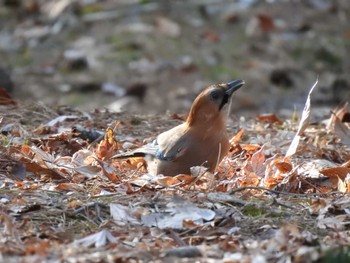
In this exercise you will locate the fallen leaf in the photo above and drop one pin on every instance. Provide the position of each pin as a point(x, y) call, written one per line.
point(37, 247)
point(251, 148)
point(336, 222)
point(211, 36)
point(339, 113)
point(284, 167)
point(175, 214)
point(257, 162)
point(342, 186)
point(5, 98)
point(270, 118)
point(237, 137)
point(266, 23)
point(342, 131)
point(181, 180)
point(108, 146)
point(337, 172)
point(99, 239)
point(109, 171)
point(304, 122)
point(69, 187)
point(122, 213)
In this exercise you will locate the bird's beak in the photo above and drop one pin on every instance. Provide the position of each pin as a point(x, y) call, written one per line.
point(234, 85)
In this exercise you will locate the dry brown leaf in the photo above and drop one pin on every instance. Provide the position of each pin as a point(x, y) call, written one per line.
point(181, 180)
point(235, 150)
point(339, 113)
point(39, 170)
point(270, 118)
point(168, 181)
point(69, 187)
point(189, 224)
point(108, 146)
point(284, 167)
point(74, 204)
point(27, 151)
point(257, 162)
point(176, 116)
point(135, 163)
point(319, 205)
point(346, 164)
point(8, 226)
point(266, 23)
point(249, 179)
point(37, 247)
point(251, 148)
point(235, 139)
point(109, 171)
point(336, 172)
point(342, 131)
point(211, 36)
point(5, 98)
point(338, 124)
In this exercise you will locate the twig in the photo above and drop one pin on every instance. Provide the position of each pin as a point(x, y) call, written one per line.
point(279, 192)
point(177, 238)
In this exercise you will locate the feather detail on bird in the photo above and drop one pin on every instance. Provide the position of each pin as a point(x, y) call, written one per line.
point(200, 141)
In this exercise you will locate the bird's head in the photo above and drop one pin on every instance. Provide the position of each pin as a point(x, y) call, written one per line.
point(209, 103)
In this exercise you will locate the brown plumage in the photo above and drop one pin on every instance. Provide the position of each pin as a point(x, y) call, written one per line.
point(201, 140)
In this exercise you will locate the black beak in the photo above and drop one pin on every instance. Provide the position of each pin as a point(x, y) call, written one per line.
point(234, 85)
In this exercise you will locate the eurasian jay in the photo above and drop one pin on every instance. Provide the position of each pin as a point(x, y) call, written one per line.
point(200, 141)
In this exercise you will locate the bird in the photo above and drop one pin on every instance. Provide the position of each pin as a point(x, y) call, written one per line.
point(202, 140)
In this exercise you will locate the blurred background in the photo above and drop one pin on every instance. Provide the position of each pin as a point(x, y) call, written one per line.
point(153, 56)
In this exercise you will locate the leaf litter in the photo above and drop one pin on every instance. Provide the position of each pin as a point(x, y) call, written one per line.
point(280, 195)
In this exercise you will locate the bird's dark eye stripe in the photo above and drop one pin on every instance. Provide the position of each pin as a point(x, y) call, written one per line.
point(214, 95)
point(223, 102)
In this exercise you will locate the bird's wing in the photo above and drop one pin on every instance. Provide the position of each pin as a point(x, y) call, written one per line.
point(168, 145)
point(172, 143)
point(147, 149)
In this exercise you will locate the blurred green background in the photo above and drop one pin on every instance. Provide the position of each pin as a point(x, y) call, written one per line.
point(154, 56)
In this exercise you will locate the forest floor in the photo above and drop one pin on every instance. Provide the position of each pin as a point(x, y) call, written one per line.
point(127, 71)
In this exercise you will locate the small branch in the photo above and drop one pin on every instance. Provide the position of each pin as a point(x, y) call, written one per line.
point(279, 192)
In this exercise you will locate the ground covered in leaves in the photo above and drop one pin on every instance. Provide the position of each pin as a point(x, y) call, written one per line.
point(280, 195)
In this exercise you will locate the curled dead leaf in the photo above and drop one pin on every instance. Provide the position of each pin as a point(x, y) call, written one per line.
point(270, 118)
point(284, 167)
point(237, 137)
point(251, 148)
point(68, 187)
point(336, 172)
point(5, 98)
point(266, 23)
point(109, 171)
point(135, 163)
point(107, 146)
point(181, 180)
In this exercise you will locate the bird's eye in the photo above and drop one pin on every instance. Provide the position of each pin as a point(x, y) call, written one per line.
point(214, 95)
